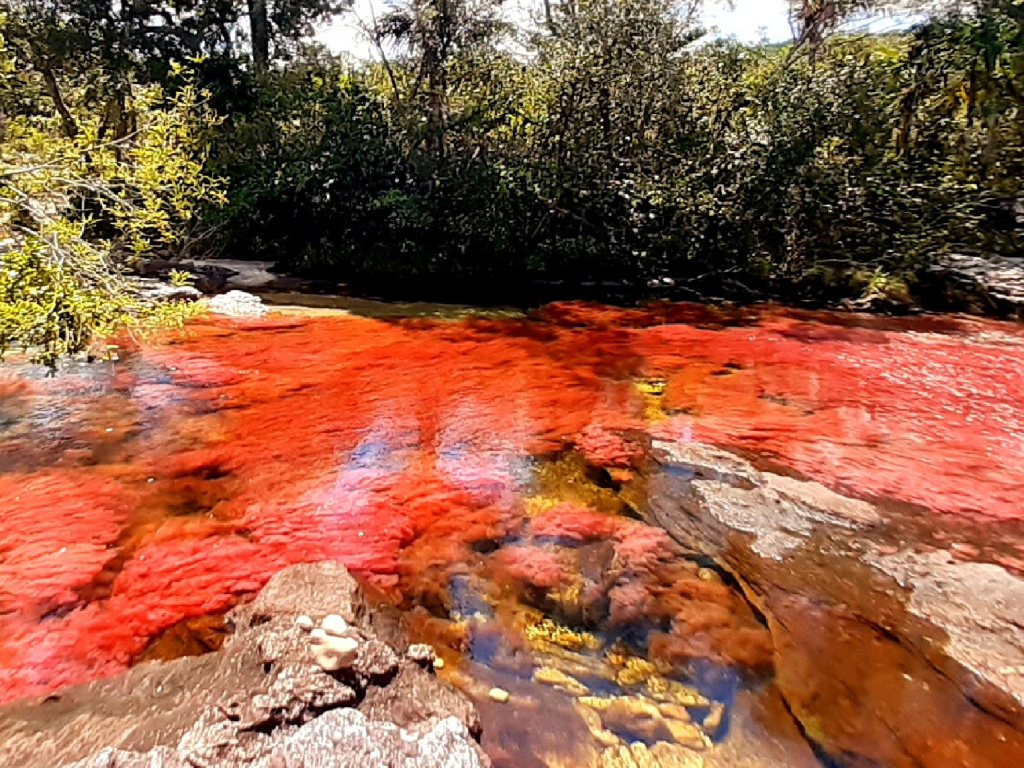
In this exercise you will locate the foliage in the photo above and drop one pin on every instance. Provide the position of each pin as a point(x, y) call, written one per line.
point(313, 170)
point(610, 142)
point(76, 206)
point(625, 147)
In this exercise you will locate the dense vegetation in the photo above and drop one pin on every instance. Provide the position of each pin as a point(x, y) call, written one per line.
point(609, 141)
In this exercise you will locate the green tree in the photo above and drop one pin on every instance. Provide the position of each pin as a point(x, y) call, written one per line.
point(75, 207)
point(433, 34)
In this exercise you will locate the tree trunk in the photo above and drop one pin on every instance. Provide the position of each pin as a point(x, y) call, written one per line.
point(259, 29)
point(67, 121)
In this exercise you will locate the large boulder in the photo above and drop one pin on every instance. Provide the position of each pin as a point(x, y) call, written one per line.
point(894, 643)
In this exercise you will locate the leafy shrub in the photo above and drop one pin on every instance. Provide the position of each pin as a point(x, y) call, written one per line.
point(76, 206)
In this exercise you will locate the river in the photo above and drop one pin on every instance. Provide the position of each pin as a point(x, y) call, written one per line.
point(489, 477)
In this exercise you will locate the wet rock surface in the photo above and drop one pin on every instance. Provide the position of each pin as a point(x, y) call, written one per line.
point(894, 644)
point(259, 701)
point(996, 282)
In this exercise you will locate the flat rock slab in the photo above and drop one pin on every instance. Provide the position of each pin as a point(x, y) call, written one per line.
point(890, 649)
point(1000, 277)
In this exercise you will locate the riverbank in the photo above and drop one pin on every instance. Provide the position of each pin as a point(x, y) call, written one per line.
point(956, 284)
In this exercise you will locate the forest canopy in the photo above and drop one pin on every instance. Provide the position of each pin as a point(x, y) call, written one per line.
point(611, 140)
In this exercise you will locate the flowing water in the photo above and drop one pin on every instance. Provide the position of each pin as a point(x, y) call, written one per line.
point(481, 474)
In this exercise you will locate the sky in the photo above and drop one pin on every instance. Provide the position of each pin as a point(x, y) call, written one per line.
point(747, 20)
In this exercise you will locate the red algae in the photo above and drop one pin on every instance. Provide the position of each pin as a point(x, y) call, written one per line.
point(57, 530)
point(399, 446)
point(575, 523)
point(931, 420)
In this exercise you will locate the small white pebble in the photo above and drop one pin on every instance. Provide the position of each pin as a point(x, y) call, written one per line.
point(334, 625)
point(304, 623)
point(499, 694)
point(337, 653)
point(317, 637)
point(420, 652)
point(438, 663)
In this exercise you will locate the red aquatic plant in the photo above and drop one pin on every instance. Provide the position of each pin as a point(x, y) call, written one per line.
point(605, 448)
point(401, 448)
point(532, 565)
point(57, 534)
point(572, 522)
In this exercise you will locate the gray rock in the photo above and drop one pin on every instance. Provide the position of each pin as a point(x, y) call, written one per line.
point(240, 705)
point(341, 738)
point(998, 277)
point(237, 304)
point(157, 290)
point(242, 274)
point(415, 699)
point(890, 652)
point(978, 606)
point(345, 738)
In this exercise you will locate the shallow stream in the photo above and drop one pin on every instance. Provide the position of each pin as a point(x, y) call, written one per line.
point(485, 477)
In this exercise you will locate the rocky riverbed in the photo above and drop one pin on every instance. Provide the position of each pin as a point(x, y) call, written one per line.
point(840, 586)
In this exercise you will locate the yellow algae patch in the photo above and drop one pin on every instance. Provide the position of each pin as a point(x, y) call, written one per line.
point(575, 664)
point(674, 712)
point(651, 387)
point(538, 505)
point(596, 702)
point(688, 735)
point(622, 707)
point(661, 755)
point(557, 678)
point(547, 631)
point(635, 671)
point(714, 719)
point(593, 721)
point(652, 392)
point(672, 692)
point(567, 479)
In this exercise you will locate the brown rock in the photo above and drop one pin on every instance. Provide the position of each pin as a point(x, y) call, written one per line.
point(300, 591)
point(414, 698)
point(245, 703)
point(887, 657)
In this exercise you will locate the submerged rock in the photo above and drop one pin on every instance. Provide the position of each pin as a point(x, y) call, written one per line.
point(260, 701)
